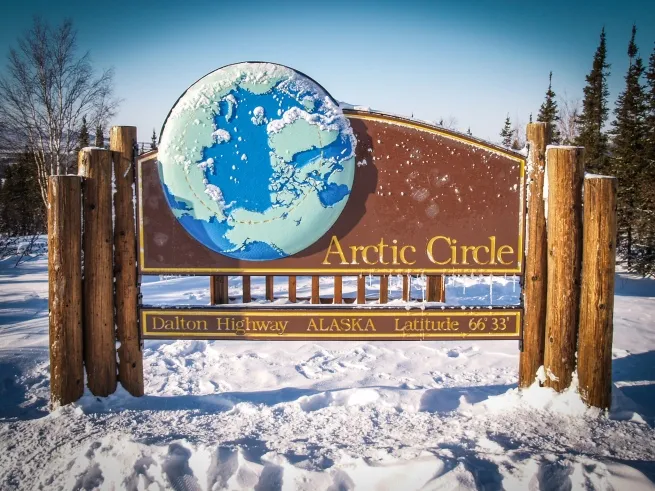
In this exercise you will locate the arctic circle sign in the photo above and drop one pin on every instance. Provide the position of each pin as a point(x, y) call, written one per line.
point(256, 161)
point(260, 171)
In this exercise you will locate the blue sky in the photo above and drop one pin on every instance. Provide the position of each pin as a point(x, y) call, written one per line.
point(475, 61)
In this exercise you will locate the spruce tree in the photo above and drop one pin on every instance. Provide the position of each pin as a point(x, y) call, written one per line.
point(594, 112)
point(83, 137)
point(100, 137)
point(628, 161)
point(548, 112)
point(153, 140)
point(468, 131)
point(506, 133)
point(22, 211)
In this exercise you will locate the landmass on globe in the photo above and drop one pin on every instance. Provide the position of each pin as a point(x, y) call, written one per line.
point(257, 161)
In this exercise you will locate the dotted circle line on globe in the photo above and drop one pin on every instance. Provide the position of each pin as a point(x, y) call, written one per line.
point(250, 222)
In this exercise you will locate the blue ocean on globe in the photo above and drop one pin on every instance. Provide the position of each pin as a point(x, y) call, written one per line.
point(275, 193)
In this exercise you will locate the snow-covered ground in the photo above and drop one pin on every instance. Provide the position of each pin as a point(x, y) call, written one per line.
point(323, 415)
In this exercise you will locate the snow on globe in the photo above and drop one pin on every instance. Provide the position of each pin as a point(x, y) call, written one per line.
point(256, 161)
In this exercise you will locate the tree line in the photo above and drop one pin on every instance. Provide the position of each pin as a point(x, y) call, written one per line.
point(625, 148)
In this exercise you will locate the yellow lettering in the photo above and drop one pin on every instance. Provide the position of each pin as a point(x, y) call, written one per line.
point(335, 242)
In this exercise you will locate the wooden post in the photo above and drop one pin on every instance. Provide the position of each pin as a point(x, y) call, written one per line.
point(384, 288)
point(270, 293)
point(316, 292)
point(565, 173)
point(436, 289)
point(130, 358)
point(245, 289)
point(406, 287)
point(536, 263)
point(338, 290)
point(292, 289)
point(597, 291)
point(361, 289)
point(65, 289)
point(218, 290)
point(99, 333)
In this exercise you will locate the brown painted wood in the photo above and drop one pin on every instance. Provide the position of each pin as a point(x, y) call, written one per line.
point(270, 282)
point(597, 291)
point(65, 289)
point(316, 292)
point(565, 173)
point(338, 289)
point(95, 165)
point(361, 289)
point(384, 288)
point(536, 257)
point(218, 290)
point(245, 289)
point(436, 289)
point(406, 285)
point(292, 289)
point(130, 357)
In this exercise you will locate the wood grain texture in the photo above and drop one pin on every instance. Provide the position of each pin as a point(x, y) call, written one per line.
point(316, 292)
point(338, 290)
point(95, 165)
point(536, 256)
point(436, 289)
point(218, 290)
point(406, 287)
point(130, 357)
point(270, 292)
point(361, 289)
point(565, 173)
point(65, 289)
point(292, 289)
point(245, 289)
point(384, 288)
point(597, 291)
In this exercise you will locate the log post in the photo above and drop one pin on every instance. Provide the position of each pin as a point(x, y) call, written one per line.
point(536, 263)
point(99, 334)
point(218, 290)
point(406, 287)
point(597, 291)
point(65, 289)
point(130, 358)
point(565, 169)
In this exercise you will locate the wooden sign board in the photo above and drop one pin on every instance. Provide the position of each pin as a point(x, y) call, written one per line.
point(423, 200)
point(330, 324)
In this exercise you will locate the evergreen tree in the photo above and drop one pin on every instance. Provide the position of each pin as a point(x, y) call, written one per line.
point(83, 138)
point(100, 137)
point(548, 112)
point(594, 112)
point(22, 212)
point(506, 133)
point(530, 118)
point(153, 140)
point(644, 261)
point(628, 154)
point(468, 131)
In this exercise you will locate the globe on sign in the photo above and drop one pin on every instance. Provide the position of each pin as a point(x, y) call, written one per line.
point(256, 161)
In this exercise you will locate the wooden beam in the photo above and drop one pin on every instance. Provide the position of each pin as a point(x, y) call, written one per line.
point(95, 165)
point(436, 289)
point(361, 289)
point(338, 289)
point(597, 291)
point(65, 289)
point(384, 288)
point(219, 290)
point(292, 289)
point(130, 358)
point(316, 293)
point(270, 282)
point(565, 173)
point(245, 289)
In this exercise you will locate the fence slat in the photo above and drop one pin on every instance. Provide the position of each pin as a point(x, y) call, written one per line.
point(384, 288)
point(361, 289)
point(245, 289)
point(436, 290)
point(406, 286)
point(338, 289)
point(292, 289)
point(218, 290)
point(65, 289)
point(316, 297)
point(95, 165)
point(536, 257)
point(270, 282)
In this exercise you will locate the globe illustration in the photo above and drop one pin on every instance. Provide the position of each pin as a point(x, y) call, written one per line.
point(256, 161)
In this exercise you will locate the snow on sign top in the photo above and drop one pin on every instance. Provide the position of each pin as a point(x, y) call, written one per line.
point(257, 173)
